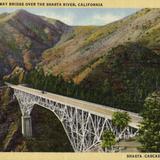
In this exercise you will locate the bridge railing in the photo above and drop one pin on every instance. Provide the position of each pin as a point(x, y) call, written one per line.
point(73, 101)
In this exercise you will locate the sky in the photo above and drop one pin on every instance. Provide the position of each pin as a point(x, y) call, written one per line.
point(80, 16)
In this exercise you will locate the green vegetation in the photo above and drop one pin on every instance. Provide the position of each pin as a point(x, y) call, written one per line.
point(108, 140)
point(13, 46)
point(100, 33)
point(127, 75)
point(149, 133)
point(55, 84)
point(121, 119)
point(38, 31)
point(152, 38)
point(84, 30)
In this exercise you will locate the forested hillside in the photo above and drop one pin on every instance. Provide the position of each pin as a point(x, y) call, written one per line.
point(123, 79)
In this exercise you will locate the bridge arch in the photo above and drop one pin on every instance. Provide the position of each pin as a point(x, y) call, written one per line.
point(48, 132)
point(49, 109)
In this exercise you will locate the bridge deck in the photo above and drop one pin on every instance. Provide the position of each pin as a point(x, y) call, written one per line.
point(97, 109)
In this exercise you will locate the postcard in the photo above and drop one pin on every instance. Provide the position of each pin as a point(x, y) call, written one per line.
point(79, 80)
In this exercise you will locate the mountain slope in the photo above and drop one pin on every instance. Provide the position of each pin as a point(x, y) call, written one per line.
point(69, 50)
point(23, 37)
point(86, 44)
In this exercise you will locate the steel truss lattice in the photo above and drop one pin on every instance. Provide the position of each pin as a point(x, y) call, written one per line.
point(84, 129)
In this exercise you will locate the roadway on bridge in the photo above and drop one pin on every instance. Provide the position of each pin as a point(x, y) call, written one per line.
point(100, 110)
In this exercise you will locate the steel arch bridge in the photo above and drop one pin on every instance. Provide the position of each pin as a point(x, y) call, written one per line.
point(83, 122)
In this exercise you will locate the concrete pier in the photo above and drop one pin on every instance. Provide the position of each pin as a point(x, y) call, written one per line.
point(26, 126)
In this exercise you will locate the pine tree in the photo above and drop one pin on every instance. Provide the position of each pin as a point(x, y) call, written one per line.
point(108, 140)
point(120, 120)
point(149, 133)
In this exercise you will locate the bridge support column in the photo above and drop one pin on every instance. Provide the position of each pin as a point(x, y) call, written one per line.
point(26, 126)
